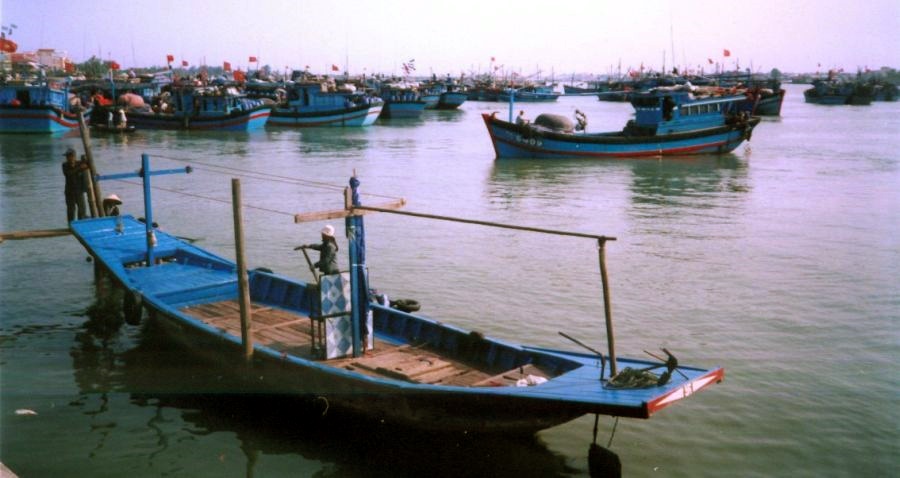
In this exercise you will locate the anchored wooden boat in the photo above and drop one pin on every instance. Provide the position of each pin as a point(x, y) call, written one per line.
point(210, 108)
point(305, 339)
point(309, 104)
point(36, 107)
point(667, 122)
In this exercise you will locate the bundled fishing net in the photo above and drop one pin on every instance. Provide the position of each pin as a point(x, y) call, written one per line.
point(638, 378)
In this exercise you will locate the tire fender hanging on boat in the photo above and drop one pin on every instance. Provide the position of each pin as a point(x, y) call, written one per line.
point(405, 305)
point(132, 307)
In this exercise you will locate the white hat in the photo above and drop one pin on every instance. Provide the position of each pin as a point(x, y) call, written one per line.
point(112, 198)
point(328, 230)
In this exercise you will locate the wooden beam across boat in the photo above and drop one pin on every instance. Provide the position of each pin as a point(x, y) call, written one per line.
point(35, 234)
point(340, 213)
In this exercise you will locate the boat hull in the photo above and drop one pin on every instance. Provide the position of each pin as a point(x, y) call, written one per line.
point(403, 109)
point(451, 100)
point(770, 105)
point(251, 120)
point(38, 120)
point(514, 141)
point(359, 116)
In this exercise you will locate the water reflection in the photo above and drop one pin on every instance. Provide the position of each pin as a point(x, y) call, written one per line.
point(215, 409)
point(662, 182)
point(649, 181)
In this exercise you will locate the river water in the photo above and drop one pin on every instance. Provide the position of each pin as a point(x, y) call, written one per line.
point(779, 262)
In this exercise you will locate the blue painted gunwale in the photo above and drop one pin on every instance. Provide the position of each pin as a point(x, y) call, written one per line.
point(190, 275)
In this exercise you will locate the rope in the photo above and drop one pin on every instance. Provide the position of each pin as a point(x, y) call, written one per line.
point(274, 211)
point(269, 177)
point(613, 434)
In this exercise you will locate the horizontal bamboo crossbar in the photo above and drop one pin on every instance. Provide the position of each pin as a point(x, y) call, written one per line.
point(38, 234)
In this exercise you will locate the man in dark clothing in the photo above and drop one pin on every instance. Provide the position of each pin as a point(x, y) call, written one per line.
point(74, 173)
point(327, 251)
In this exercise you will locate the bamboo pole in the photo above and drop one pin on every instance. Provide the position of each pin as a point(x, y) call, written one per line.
point(86, 141)
point(483, 223)
point(243, 285)
point(37, 234)
point(607, 308)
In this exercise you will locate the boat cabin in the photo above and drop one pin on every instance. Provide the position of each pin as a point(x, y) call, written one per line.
point(311, 96)
point(667, 112)
point(211, 101)
point(26, 95)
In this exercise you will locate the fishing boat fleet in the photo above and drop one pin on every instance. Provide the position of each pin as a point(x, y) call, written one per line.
point(336, 338)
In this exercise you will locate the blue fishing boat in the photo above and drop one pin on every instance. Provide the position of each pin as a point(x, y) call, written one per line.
point(531, 94)
point(202, 108)
point(310, 104)
point(307, 339)
point(443, 95)
point(668, 121)
point(401, 101)
point(838, 92)
point(452, 99)
point(37, 107)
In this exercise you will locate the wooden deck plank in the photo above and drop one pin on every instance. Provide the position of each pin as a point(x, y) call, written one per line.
point(290, 333)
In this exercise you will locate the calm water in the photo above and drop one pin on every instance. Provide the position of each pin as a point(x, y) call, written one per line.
point(780, 262)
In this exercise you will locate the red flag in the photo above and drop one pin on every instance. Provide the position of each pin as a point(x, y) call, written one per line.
point(70, 67)
point(253, 59)
point(239, 76)
point(335, 68)
point(170, 58)
point(114, 66)
point(227, 66)
point(7, 45)
point(493, 59)
point(726, 52)
point(184, 63)
point(709, 60)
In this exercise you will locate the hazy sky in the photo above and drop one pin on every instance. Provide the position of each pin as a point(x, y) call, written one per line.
point(443, 37)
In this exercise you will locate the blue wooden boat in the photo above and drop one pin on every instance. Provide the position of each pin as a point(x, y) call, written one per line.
point(667, 122)
point(531, 94)
point(401, 101)
point(206, 108)
point(36, 107)
point(443, 95)
point(308, 104)
point(418, 371)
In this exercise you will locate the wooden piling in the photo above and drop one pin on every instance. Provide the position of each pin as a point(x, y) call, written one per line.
point(243, 283)
point(96, 209)
point(607, 308)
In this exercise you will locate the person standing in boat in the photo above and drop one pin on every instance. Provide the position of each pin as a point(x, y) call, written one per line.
point(328, 249)
point(521, 119)
point(73, 171)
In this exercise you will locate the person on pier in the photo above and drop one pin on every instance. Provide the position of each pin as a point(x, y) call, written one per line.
point(73, 170)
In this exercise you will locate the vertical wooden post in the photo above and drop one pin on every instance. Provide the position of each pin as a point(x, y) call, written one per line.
point(243, 285)
point(96, 208)
point(92, 203)
point(607, 308)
